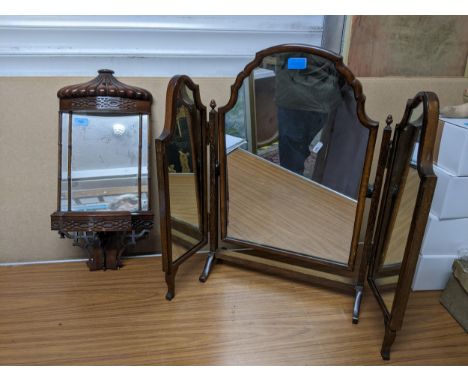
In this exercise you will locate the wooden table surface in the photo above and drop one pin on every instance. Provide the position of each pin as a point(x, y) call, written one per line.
point(63, 314)
point(272, 206)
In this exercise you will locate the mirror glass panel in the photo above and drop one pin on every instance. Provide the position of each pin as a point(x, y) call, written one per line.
point(183, 158)
point(295, 155)
point(104, 162)
point(401, 198)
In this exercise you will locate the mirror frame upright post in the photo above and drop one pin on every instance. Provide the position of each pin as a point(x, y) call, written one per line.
point(393, 318)
point(103, 235)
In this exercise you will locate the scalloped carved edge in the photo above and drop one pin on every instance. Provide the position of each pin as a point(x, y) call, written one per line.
point(337, 59)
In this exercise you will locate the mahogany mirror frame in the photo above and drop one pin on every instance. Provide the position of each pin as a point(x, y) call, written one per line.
point(282, 254)
point(103, 234)
point(174, 87)
point(394, 318)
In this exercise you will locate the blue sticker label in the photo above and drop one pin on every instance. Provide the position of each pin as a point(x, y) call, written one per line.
point(297, 63)
point(80, 121)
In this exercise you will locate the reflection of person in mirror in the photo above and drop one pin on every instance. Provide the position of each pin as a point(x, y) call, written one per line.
point(306, 94)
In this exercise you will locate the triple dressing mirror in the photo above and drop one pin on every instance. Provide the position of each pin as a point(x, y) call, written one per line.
point(288, 176)
point(290, 159)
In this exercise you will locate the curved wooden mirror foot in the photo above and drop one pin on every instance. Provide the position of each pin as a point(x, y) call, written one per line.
point(210, 260)
point(357, 303)
point(387, 343)
point(170, 281)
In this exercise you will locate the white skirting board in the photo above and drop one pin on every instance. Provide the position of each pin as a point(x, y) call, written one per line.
point(433, 271)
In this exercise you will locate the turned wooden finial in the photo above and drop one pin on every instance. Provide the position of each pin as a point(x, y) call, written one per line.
point(389, 120)
point(212, 104)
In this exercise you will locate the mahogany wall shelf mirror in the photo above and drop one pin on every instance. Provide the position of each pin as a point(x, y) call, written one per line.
point(103, 197)
point(290, 159)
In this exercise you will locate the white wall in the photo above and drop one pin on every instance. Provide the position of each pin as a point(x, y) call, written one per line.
point(159, 46)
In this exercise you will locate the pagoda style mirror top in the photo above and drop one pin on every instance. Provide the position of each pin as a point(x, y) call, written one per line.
point(104, 193)
point(105, 93)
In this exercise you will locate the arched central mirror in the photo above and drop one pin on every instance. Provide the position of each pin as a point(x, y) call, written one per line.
point(295, 153)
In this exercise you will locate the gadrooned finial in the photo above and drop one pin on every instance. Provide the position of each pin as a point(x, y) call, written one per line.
point(389, 120)
point(212, 104)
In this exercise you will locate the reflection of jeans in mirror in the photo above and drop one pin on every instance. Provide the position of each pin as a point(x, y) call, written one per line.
point(297, 129)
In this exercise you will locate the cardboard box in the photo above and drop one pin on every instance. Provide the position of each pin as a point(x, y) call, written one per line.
point(455, 300)
point(451, 196)
point(445, 236)
point(433, 271)
point(453, 146)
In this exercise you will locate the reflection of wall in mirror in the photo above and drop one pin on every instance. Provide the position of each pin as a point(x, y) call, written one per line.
point(236, 118)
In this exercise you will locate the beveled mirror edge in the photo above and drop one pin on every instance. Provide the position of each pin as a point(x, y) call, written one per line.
point(173, 88)
point(372, 125)
point(394, 318)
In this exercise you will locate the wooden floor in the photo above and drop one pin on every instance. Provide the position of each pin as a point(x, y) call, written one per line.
point(64, 314)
